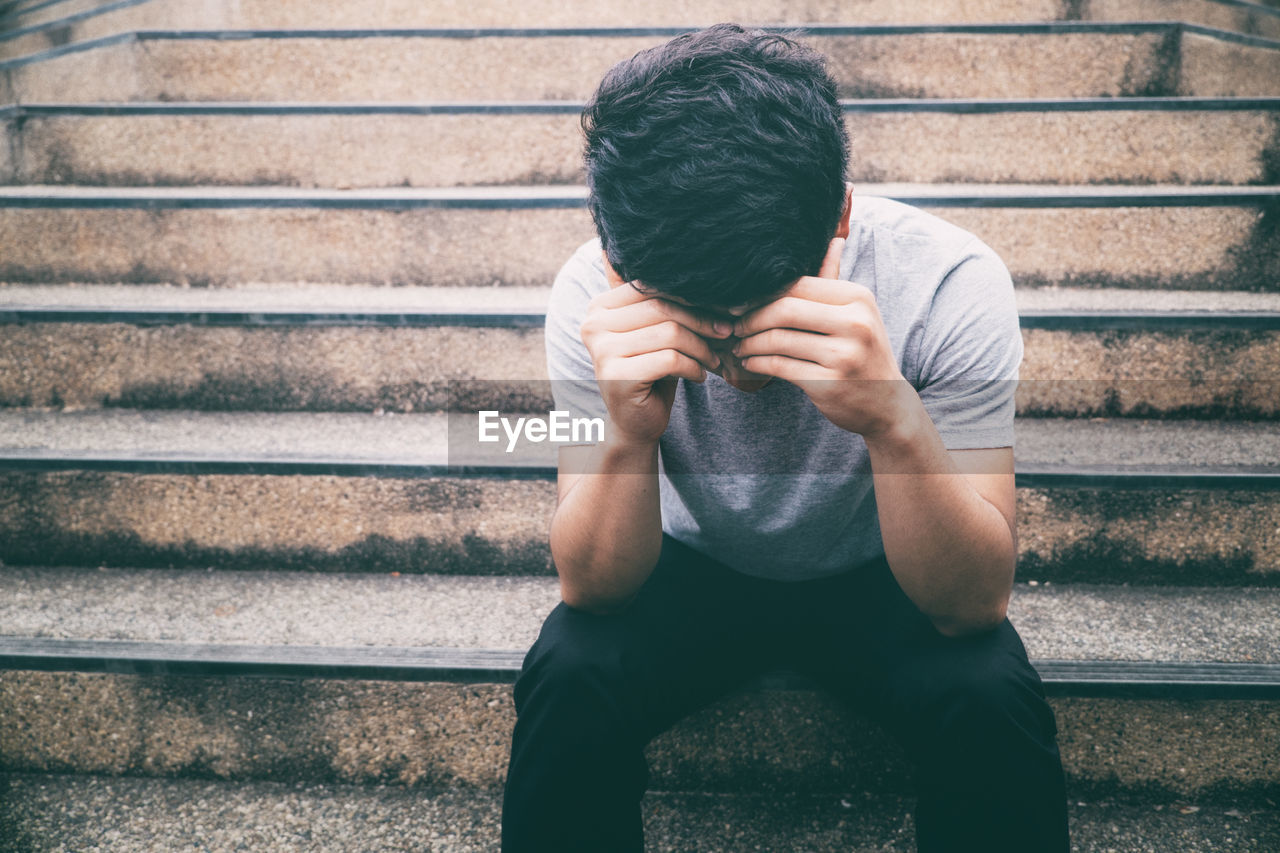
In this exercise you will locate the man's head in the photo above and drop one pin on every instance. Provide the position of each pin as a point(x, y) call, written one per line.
point(716, 165)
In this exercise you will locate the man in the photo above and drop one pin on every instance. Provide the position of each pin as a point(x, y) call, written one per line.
point(807, 461)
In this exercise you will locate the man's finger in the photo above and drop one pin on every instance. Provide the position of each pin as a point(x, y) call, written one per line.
point(831, 263)
point(651, 312)
point(619, 296)
point(794, 312)
point(659, 337)
point(653, 366)
point(792, 370)
point(802, 346)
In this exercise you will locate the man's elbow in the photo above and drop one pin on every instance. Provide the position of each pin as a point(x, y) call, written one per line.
point(973, 621)
point(595, 604)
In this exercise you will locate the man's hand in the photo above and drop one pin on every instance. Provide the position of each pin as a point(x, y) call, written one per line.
point(826, 336)
point(640, 344)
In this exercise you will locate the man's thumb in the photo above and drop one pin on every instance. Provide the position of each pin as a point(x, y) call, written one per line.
point(831, 263)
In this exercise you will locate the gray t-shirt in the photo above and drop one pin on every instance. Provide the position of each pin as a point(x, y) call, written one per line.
point(762, 481)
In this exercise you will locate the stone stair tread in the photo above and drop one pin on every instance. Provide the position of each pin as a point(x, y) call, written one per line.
point(1170, 237)
point(572, 106)
point(317, 298)
point(1093, 141)
point(932, 192)
point(338, 299)
point(73, 812)
point(1246, 16)
point(422, 439)
point(1048, 300)
point(1028, 59)
point(338, 611)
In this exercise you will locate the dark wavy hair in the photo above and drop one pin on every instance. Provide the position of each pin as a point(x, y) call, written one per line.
point(716, 164)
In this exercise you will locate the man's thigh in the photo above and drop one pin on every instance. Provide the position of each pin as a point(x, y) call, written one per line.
point(860, 636)
point(695, 630)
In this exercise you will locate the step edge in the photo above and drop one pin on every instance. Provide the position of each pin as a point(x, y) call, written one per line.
point(574, 196)
point(1178, 103)
point(1168, 679)
point(509, 318)
point(1028, 475)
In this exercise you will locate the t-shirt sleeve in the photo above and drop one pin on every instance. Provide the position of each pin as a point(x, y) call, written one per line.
point(972, 348)
point(569, 367)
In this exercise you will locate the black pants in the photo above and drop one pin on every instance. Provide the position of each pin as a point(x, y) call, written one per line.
point(595, 689)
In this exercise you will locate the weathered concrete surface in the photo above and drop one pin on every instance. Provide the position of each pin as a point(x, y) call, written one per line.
point(397, 68)
point(316, 369)
point(1148, 536)
point(1030, 299)
point(1224, 16)
point(1224, 374)
point(458, 735)
point(62, 24)
point(1177, 248)
point(1065, 148)
point(350, 298)
point(496, 527)
point(1125, 444)
point(1150, 374)
point(1226, 68)
point(47, 812)
point(19, 16)
point(354, 299)
point(160, 14)
point(1099, 147)
point(452, 526)
point(30, 14)
point(419, 246)
point(290, 150)
point(182, 606)
point(1218, 248)
point(75, 72)
point(9, 154)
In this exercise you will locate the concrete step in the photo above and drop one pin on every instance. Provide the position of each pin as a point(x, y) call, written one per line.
point(1088, 352)
point(22, 14)
point(52, 25)
point(1110, 500)
point(765, 736)
point(55, 812)
point(1056, 141)
point(1052, 60)
point(50, 14)
point(336, 611)
point(1177, 237)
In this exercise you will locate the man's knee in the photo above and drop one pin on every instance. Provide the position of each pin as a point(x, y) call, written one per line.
point(575, 666)
point(973, 689)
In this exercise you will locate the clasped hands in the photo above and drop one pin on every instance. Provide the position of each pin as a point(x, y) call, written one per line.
point(822, 334)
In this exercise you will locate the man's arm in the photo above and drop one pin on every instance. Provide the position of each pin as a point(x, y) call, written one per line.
point(946, 520)
point(606, 534)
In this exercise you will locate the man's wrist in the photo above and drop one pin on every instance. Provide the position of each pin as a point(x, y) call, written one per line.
point(906, 425)
point(628, 454)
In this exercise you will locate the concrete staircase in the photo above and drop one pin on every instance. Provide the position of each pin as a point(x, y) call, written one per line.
point(250, 599)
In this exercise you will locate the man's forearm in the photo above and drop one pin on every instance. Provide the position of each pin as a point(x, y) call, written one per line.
point(951, 550)
point(606, 533)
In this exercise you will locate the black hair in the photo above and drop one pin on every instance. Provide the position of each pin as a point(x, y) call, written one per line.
point(716, 164)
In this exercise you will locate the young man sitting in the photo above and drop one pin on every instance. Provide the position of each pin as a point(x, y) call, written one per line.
point(807, 462)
